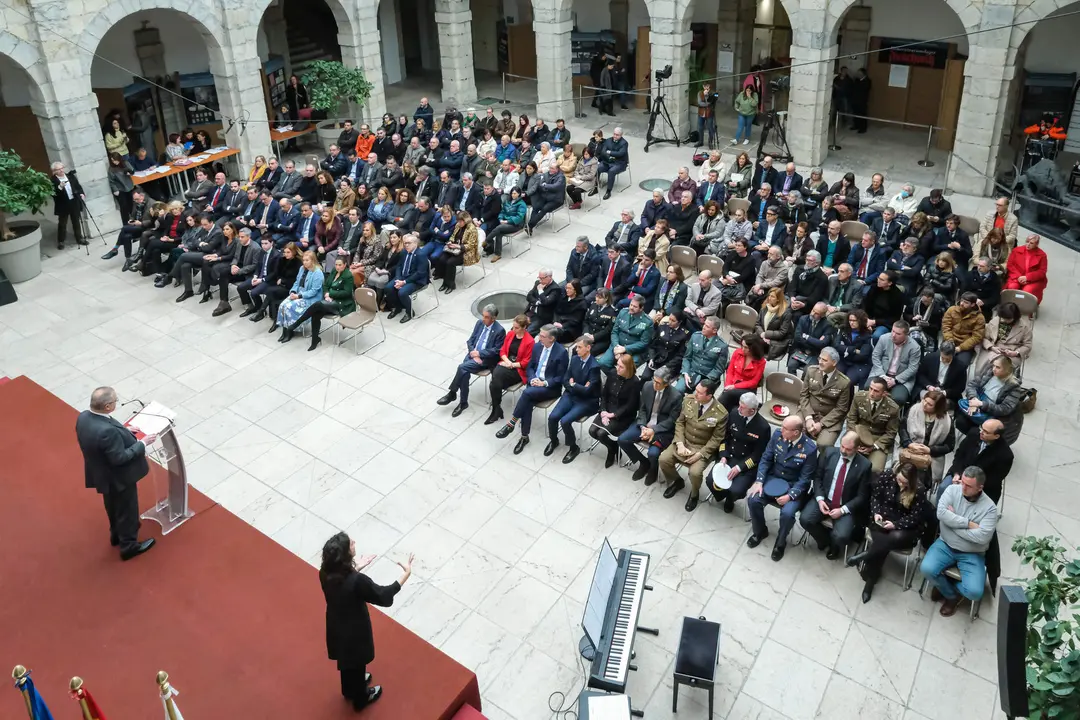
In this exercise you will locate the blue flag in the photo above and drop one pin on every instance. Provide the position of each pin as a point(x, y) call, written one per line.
point(38, 709)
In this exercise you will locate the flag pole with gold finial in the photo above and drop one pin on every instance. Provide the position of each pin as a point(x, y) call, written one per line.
point(75, 686)
point(20, 674)
point(167, 693)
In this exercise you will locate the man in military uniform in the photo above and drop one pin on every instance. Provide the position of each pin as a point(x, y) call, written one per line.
point(631, 333)
point(875, 416)
point(826, 399)
point(736, 465)
point(706, 357)
point(789, 461)
point(699, 433)
point(667, 347)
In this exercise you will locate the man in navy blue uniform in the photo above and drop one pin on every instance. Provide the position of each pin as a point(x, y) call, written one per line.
point(783, 479)
point(484, 346)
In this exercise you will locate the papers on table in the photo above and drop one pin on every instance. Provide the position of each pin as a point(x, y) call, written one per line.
point(609, 707)
point(152, 171)
point(153, 419)
point(284, 128)
point(218, 149)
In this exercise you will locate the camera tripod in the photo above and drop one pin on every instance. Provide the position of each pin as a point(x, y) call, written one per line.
point(659, 110)
point(773, 122)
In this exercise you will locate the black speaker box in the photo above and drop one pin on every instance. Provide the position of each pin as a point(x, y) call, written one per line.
point(1012, 650)
point(7, 290)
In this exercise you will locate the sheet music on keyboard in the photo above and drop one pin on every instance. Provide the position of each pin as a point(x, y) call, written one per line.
point(599, 593)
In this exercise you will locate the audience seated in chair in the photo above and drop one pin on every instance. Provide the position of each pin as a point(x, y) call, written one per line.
point(482, 351)
point(841, 494)
point(580, 399)
point(545, 374)
point(657, 414)
point(699, 433)
point(825, 399)
point(875, 417)
point(745, 442)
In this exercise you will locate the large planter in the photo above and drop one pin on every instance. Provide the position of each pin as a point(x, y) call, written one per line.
point(328, 133)
point(20, 257)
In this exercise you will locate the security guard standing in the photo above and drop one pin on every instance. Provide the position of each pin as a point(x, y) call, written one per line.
point(825, 400)
point(699, 434)
point(668, 346)
point(783, 479)
point(706, 357)
point(736, 465)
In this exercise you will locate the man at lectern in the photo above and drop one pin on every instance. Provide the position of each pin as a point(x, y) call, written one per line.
point(115, 461)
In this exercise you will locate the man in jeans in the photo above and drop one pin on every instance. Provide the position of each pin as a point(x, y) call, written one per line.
point(968, 518)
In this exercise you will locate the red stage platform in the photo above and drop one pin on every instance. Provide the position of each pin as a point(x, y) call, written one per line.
point(236, 620)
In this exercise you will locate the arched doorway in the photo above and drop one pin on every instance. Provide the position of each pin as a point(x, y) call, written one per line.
point(20, 103)
point(914, 82)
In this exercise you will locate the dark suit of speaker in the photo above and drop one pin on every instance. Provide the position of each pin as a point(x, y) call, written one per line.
point(1012, 651)
point(114, 462)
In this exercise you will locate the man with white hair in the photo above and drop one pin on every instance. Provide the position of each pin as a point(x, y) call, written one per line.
point(114, 461)
point(541, 301)
point(825, 399)
point(613, 156)
point(682, 183)
point(68, 200)
point(736, 465)
point(841, 493)
point(655, 426)
point(548, 198)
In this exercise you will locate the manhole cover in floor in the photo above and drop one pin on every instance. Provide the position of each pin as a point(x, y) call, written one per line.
point(654, 184)
point(489, 101)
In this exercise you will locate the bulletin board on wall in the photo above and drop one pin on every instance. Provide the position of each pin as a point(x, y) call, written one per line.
point(915, 82)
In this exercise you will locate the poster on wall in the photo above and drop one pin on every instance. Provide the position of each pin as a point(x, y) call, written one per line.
point(275, 80)
point(200, 98)
point(898, 76)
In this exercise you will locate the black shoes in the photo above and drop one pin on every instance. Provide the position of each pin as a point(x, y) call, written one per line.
point(221, 309)
point(612, 453)
point(286, 335)
point(691, 503)
point(521, 444)
point(754, 540)
point(607, 196)
point(273, 328)
point(315, 342)
point(185, 295)
point(393, 313)
point(114, 541)
point(495, 416)
point(446, 399)
point(504, 432)
point(129, 264)
point(259, 315)
point(407, 317)
point(550, 448)
point(855, 559)
point(594, 191)
point(459, 409)
point(206, 296)
point(729, 504)
point(139, 549)
point(832, 553)
point(161, 281)
point(777, 552)
point(867, 591)
point(250, 310)
point(650, 478)
point(674, 488)
point(642, 471)
point(110, 255)
point(571, 454)
point(373, 693)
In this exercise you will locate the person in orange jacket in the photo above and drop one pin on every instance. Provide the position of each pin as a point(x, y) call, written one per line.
point(1046, 129)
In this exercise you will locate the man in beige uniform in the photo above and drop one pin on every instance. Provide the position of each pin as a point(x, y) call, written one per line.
point(826, 399)
point(699, 434)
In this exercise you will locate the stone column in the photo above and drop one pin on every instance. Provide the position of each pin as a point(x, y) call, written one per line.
point(365, 53)
point(810, 103)
point(554, 76)
point(987, 77)
point(672, 48)
point(620, 23)
point(454, 21)
point(735, 35)
point(241, 98)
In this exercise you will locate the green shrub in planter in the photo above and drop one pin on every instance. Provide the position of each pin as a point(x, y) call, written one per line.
point(22, 189)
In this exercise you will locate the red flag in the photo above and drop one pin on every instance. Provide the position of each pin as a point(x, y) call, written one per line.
point(95, 712)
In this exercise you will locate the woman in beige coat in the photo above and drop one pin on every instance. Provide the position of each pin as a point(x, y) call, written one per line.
point(1008, 333)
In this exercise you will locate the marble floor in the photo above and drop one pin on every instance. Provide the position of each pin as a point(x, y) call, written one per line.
point(302, 445)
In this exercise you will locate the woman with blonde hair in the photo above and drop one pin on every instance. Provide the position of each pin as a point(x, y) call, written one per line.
point(258, 169)
point(775, 325)
point(941, 276)
point(896, 519)
point(462, 248)
point(307, 289)
point(381, 207)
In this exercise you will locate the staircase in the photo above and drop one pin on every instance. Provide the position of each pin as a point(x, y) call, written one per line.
point(311, 32)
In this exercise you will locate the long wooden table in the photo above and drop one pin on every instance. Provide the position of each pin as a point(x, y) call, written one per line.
point(277, 137)
point(177, 173)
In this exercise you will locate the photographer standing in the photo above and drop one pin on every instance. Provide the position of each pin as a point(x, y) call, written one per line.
point(706, 120)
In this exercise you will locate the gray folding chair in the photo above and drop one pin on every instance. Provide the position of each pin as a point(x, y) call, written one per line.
point(366, 313)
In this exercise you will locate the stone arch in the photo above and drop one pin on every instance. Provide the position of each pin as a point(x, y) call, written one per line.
point(203, 14)
point(347, 34)
point(683, 11)
point(1032, 14)
point(28, 58)
point(970, 15)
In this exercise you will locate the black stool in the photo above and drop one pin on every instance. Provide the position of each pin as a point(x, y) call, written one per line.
point(697, 658)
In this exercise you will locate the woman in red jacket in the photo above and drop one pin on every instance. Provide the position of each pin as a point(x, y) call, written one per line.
point(744, 372)
point(1026, 268)
point(513, 359)
point(327, 237)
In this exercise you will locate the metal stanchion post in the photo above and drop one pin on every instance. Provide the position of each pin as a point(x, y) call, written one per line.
point(835, 132)
point(504, 89)
point(948, 167)
point(926, 161)
point(579, 111)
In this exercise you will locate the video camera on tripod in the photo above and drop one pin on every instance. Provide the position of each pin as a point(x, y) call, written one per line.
point(659, 110)
point(662, 75)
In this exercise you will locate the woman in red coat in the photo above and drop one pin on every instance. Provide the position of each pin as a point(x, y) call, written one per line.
point(514, 357)
point(744, 372)
point(1026, 268)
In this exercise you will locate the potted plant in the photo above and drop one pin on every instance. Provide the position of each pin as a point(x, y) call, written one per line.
point(22, 189)
point(331, 86)
point(1053, 639)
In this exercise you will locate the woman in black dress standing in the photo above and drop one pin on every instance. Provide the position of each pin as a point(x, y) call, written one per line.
point(349, 640)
